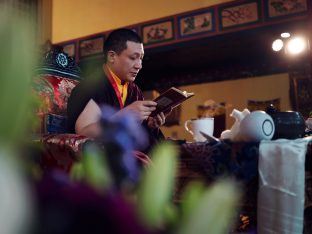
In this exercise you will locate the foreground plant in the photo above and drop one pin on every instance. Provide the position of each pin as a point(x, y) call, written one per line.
point(17, 62)
point(203, 209)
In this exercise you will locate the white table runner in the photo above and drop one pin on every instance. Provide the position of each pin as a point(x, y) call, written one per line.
point(281, 186)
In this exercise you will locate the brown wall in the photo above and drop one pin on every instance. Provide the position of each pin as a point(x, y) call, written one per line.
point(235, 94)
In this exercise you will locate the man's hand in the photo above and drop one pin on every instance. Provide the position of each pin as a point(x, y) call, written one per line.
point(157, 121)
point(142, 109)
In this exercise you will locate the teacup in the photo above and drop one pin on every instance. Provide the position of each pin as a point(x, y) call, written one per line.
point(195, 126)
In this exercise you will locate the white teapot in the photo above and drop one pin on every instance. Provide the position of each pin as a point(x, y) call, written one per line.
point(254, 126)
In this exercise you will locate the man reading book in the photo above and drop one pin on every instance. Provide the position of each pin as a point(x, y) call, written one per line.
point(113, 84)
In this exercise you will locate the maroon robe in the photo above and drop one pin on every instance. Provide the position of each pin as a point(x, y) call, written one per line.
point(98, 88)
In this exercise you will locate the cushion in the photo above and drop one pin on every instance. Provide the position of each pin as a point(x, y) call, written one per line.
point(53, 93)
point(57, 75)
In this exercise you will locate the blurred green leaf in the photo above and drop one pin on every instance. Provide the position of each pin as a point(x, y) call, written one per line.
point(17, 63)
point(16, 200)
point(96, 171)
point(191, 197)
point(77, 172)
point(215, 211)
point(171, 216)
point(155, 192)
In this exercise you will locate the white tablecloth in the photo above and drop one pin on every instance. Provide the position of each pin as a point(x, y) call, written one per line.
point(281, 186)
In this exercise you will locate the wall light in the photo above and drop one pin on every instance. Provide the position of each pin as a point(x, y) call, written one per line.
point(285, 35)
point(296, 45)
point(277, 45)
point(290, 44)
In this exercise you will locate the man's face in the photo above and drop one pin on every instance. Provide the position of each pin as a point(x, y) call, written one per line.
point(128, 63)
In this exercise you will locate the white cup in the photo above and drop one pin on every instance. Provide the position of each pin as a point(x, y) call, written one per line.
point(195, 126)
point(257, 126)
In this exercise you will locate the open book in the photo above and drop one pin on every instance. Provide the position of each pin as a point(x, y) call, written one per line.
point(170, 99)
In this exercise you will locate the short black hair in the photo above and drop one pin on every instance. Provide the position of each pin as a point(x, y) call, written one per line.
point(117, 40)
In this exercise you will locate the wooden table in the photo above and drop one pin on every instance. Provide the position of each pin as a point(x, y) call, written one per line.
point(239, 160)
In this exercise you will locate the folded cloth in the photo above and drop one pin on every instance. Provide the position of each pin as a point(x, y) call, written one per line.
point(281, 186)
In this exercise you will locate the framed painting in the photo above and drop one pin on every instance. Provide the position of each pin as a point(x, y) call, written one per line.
point(301, 93)
point(158, 32)
point(254, 105)
point(70, 49)
point(239, 14)
point(283, 8)
point(91, 46)
point(196, 23)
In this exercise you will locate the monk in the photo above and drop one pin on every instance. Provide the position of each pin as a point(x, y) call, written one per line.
point(114, 85)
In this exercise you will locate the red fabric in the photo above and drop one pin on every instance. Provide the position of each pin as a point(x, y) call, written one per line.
point(60, 151)
point(61, 88)
point(53, 93)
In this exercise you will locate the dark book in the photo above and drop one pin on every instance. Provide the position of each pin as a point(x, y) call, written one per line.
point(170, 99)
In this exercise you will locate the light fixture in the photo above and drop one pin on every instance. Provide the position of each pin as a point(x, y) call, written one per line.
point(277, 45)
point(285, 35)
point(296, 45)
point(291, 44)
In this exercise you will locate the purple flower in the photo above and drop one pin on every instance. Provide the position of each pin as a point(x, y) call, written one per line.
point(120, 136)
point(65, 207)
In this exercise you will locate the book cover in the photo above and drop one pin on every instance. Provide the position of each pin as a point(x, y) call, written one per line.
point(170, 99)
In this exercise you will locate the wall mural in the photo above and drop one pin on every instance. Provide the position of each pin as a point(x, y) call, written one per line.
point(159, 32)
point(277, 8)
point(91, 46)
point(196, 23)
point(235, 15)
